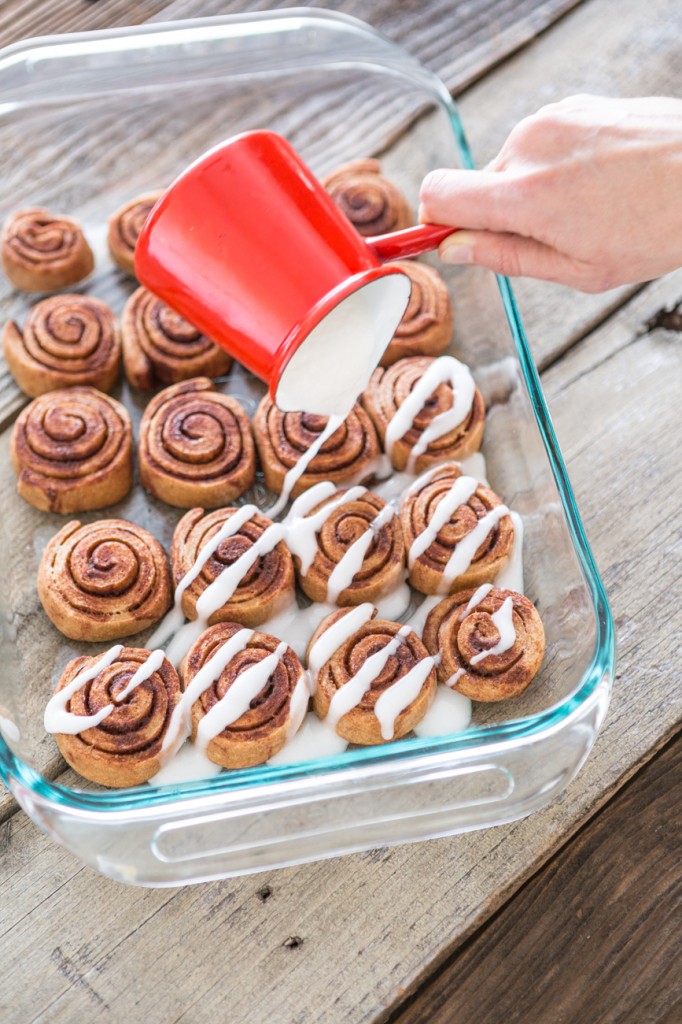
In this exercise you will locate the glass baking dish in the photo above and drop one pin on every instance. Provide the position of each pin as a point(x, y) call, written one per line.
point(88, 121)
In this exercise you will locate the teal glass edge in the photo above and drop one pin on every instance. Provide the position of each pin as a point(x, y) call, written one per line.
point(602, 663)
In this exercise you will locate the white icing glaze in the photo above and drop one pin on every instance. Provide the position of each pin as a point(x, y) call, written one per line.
point(463, 555)
point(180, 725)
point(58, 719)
point(297, 624)
point(395, 603)
point(455, 677)
point(237, 699)
point(184, 639)
point(335, 636)
point(297, 470)
point(351, 563)
point(298, 706)
point(446, 368)
point(418, 620)
point(352, 692)
point(474, 465)
point(396, 698)
point(476, 598)
point(219, 592)
point(450, 712)
point(313, 740)
point(175, 617)
point(510, 576)
point(188, 765)
point(504, 623)
point(302, 529)
point(459, 494)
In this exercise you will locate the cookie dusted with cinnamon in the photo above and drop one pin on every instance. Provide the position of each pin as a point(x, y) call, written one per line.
point(246, 693)
point(491, 642)
point(111, 713)
point(231, 565)
point(160, 347)
point(66, 340)
point(72, 451)
point(347, 546)
point(125, 226)
point(458, 533)
point(374, 680)
point(425, 411)
point(104, 580)
point(426, 326)
point(372, 203)
point(299, 449)
point(196, 446)
point(42, 251)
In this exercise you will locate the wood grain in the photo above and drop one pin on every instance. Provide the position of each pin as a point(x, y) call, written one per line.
point(594, 936)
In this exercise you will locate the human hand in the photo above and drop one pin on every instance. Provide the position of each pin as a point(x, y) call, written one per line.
point(586, 192)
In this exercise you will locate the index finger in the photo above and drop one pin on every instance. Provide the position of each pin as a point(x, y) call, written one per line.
point(467, 199)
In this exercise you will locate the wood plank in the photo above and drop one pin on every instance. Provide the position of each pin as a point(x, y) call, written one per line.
point(594, 936)
point(439, 892)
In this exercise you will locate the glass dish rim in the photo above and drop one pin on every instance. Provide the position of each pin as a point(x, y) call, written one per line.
point(401, 753)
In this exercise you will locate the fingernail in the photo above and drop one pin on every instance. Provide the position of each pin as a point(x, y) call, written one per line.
point(456, 249)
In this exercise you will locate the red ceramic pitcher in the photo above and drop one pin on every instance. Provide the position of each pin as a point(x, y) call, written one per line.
point(248, 246)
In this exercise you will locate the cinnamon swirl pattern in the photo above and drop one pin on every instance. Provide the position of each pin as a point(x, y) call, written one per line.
point(377, 680)
point(160, 347)
point(237, 561)
point(196, 446)
point(67, 339)
point(72, 451)
point(125, 226)
point(426, 326)
point(491, 642)
point(457, 531)
point(349, 455)
point(425, 410)
point(42, 252)
point(247, 692)
point(372, 203)
point(111, 714)
point(104, 580)
point(347, 547)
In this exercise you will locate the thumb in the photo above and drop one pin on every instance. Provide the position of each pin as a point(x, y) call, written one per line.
point(518, 256)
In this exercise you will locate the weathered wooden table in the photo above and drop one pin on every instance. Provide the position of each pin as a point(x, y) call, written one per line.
point(566, 916)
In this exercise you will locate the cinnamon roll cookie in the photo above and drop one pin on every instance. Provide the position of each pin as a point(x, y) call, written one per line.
point(245, 694)
point(425, 410)
point(372, 203)
point(160, 347)
point(491, 642)
point(299, 449)
point(347, 546)
point(42, 252)
point(196, 446)
point(458, 533)
point(426, 326)
point(104, 580)
point(231, 565)
point(125, 226)
point(66, 340)
point(373, 680)
point(110, 714)
point(72, 451)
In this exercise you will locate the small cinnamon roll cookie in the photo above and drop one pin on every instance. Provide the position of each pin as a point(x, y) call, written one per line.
point(426, 326)
point(491, 642)
point(125, 226)
point(458, 533)
point(372, 203)
point(66, 340)
point(196, 446)
point(42, 252)
point(425, 411)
